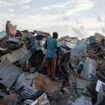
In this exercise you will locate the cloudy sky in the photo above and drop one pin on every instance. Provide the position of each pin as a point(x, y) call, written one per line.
point(68, 17)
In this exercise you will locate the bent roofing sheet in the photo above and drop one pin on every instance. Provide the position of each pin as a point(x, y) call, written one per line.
point(29, 92)
point(24, 58)
point(24, 78)
point(15, 55)
point(8, 73)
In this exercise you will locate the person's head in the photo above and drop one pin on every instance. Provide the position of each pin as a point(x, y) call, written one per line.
point(55, 35)
point(34, 31)
point(8, 21)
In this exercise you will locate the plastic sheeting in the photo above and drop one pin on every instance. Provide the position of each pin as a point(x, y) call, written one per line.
point(89, 69)
point(79, 48)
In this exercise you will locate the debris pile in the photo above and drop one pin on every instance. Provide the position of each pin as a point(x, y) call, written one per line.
point(80, 76)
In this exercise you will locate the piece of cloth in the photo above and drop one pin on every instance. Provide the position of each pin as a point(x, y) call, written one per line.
point(51, 65)
point(51, 51)
point(10, 29)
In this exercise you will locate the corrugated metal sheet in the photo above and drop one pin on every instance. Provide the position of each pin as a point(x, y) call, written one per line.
point(29, 92)
point(24, 58)
point(29, 77)
point(8, 73)
point(15, 55)
point(24, 79)
point(20, 82)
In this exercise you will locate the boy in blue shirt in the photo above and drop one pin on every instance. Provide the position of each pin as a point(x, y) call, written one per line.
point(51, 54)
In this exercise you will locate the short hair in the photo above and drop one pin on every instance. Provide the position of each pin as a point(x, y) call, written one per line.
point(8, 21)
point(26, 31)
point(55, 35)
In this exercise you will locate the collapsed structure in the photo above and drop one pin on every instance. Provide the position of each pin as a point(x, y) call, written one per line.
point(80, 71)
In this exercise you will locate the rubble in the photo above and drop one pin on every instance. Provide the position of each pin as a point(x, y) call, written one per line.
point(83, 100)
point(99, 37)
point(3, 51)
point(68, 41)
point(8, 73)
point(42, 100)
point(42, 82)
point(10, 100)
point(14, 56)
point(23, 72)
point(89, 69)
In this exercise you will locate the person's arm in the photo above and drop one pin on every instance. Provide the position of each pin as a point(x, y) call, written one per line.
point(57, 48)
point(45, 45)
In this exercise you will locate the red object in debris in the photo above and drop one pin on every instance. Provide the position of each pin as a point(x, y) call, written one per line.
point(103, 87)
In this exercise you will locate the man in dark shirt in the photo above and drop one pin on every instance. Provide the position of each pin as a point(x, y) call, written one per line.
point(51, 54)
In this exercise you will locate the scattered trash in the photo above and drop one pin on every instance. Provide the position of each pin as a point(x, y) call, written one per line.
point(24, 78)
point(43, 82)
point(83, 100)
point(89, 69)
point(101, 93)
point(79, 48)
point(42, 100)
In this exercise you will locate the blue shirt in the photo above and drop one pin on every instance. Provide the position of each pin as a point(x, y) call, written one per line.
point(51, 48)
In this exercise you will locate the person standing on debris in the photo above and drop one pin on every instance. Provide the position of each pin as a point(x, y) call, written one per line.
point(51, 54)
point(31, 42)
point(10, 29)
